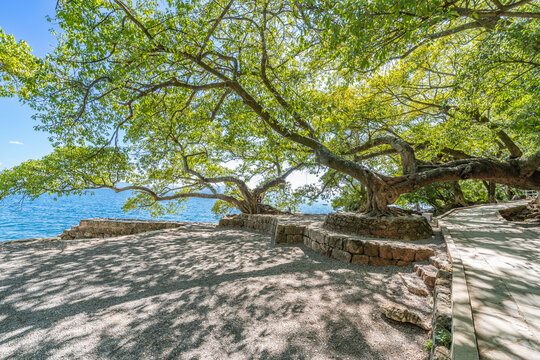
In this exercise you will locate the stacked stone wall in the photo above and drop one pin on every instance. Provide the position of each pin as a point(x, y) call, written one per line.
point(399, 227)
point(100, 228)
point(363, 251)
point(442, 316)
point(348, 248)
point(262, 223)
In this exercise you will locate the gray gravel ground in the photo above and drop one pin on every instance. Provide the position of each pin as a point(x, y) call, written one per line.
point(197, 293)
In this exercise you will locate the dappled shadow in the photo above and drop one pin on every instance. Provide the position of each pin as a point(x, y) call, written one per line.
point(502, 267)
point(202, 293)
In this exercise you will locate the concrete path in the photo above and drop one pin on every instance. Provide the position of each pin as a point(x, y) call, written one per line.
point(502, 269)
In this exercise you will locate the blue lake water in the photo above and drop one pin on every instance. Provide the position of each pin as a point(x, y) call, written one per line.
point(46, 217)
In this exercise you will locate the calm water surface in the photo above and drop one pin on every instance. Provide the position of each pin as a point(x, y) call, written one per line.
point(46, 217)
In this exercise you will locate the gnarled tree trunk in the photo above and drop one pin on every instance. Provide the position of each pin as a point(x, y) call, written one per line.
point(459, 198)
point(491, 188)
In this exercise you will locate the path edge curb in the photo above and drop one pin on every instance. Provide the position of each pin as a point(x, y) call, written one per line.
point(464, 345)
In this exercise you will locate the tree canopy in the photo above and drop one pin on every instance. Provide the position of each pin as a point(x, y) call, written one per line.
point(392, 95)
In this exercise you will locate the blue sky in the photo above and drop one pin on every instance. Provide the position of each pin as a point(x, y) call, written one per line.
point(26, 20)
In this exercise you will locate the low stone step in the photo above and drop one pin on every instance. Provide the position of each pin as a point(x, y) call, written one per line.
point(440, 263)
point(402, 314)
point(414, 284)
point(428, 273)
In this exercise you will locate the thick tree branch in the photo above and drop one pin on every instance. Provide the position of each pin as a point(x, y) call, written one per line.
point(242, 186)
point(531, 165)
point(157, 197)
point(275, 181)
point(515, 151)
point(513, 173)
point(457, 154)
point(279, 98)
point(406, 152)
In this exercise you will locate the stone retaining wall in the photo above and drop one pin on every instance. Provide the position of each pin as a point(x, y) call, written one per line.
point(100, 228)
point(262, 223)
point(441, 323)
point(363, 251)
point(412, 227)
point(348, 248)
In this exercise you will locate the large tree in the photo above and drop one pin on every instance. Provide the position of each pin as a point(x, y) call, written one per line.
point(265, 64)
point(17, 65)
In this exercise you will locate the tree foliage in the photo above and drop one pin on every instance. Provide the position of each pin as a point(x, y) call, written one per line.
point(17, 66)
point(390, 96)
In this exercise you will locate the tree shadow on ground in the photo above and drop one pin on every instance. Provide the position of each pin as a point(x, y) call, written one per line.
point(503, 276)
point(205, 293)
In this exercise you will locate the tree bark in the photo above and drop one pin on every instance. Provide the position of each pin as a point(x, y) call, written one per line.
point(491, 192)
point(377, 203)
point(491, 188)
point(459, 198)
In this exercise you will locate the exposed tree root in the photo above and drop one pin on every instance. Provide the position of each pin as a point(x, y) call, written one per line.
point(529, 212)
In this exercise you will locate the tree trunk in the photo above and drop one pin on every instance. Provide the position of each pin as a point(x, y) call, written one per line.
point(491, 192)
point(247, 207)
point(459, 198)
point(377, 203)
point(491, 187)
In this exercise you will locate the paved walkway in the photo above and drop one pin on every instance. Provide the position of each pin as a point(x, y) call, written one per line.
point(502, 269)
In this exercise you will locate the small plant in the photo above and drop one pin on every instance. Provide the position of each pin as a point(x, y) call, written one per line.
point(443, 337)
point(427, 345)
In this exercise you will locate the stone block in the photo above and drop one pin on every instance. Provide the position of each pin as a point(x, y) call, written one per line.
point(371, 248)
point(423, 254)
point(341, 255)
point(414, 284)
point(360, 259)
point(443, 274)
point(297, 239)
point(289, 229)
point(403, 253)
point(321, 248)
point(402, 314)
point(354, 246)
point(428, 273)
point(441, 353)
point(298, 230)
point(442, 317)
point(317, 236)
point(377, 261)
point(402, 263)
point(280, 238)
point(334, 241)
point(385, 251)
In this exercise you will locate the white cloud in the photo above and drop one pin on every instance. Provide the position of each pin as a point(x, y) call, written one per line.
point(16, 142)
